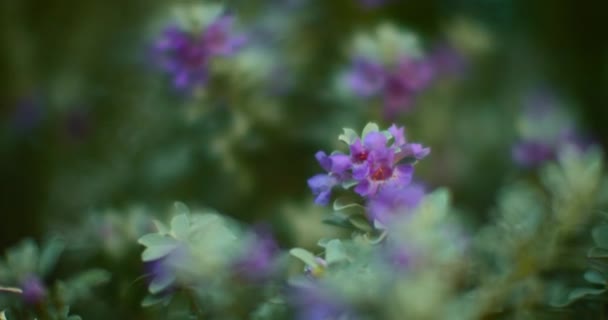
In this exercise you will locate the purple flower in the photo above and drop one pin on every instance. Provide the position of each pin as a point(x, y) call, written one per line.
point(186, 55)
point(392, 201)
point(321, 185)
point(398, 86)
point(367, 77)
point(34, 291)
point(532, 153)
point(373, 3)
point(373, 163)
point(259, 259)
point(219, 40)
point(447, 60)
point(28, 114)
point(315, 303)
point(548, 130)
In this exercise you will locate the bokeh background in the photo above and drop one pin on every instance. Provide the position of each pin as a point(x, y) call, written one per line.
point(89, 124)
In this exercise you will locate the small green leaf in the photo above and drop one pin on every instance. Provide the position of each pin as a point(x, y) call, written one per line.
point(348, 136)
point(156, 252)
point(595, 277)
point(180, 226)
point(305, 256)
point(361, 223)
point(580, 293)
point(600, 236)
point(345, 202)
point(155, 239)
point(370, 127)
point(161, 227)
point(349, 184)
point(337, 222)
point(335, 252)
point(597, 253)
point(49, 256)
point(151, 300)
point(161, 283)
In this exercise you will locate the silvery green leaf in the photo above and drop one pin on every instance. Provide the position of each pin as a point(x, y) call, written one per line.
point(323, 242)
point(305, 256)
point(338, 222)
point(151, 300)
point(344, 203)
point(180, 226)
point(155, 239)
point(597, 253)
point(580, 293)
point(370, 127)
point(335, 252)
point(349, 183)
point(348, 136)
point(156, 252)
point(360, 223)
point(161, 227)
point(161, 283)
point(596, 277)
point(49, 255)
point(600, 236)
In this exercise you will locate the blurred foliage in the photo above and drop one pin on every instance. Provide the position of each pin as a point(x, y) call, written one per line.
point(96, 142)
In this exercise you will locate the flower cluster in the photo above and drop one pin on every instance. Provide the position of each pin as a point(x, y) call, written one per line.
point(544, 129)
point(379, 166)
point(391, 66)
point(186, 55)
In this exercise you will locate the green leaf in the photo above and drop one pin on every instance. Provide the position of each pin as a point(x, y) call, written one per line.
point(600, 236)
point(151, 300)
point(370, 127)
point(155, 239)
point(335, 252)
point(305, 256)
point(180, 226)
point(338, 222)
point(360, 223)
point(595, 277)
point(49, 256)
point(348, 136)
point(597, 253)
point(156, 252)
point(349, 183)
point(161, 283)
point(345, 202)
point(161, 227)
point(580, 293)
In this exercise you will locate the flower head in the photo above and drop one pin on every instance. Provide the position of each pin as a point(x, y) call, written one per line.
point(33, 290)
point(391, 67)
point(186, 55)
point(377, 160)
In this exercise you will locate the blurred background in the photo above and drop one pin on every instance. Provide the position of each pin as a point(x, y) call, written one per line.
point(90, 123)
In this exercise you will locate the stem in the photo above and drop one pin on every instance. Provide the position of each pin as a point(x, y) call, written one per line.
point(11, 290)
point(194, 306)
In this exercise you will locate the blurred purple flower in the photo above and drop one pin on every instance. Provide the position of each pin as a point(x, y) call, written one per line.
point(541, 110)
point(259, 259)
point(398, 86)
point(532, 153)
point(28, 114)
point(393, 201)
point(314, 303)
point(34, 291)
point(448, 61)
point(373, 3)
point(186, 55)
